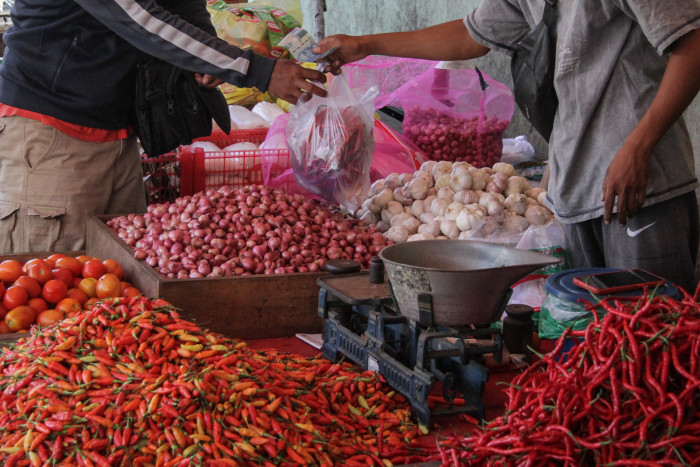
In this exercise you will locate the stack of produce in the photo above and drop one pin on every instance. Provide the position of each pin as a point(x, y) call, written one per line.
point(441, 136)
point(129, 383)
point(45, 290)
point(627, 395)
point(453, 200)
point(247, 230)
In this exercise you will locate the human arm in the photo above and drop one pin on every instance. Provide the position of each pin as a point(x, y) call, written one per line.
point(162, 34)
point(627, 175)
point(446, 41)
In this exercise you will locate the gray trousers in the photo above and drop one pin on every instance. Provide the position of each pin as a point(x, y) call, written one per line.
point(662, 238)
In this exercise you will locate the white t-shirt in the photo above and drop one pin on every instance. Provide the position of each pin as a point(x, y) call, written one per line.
point(610, 57)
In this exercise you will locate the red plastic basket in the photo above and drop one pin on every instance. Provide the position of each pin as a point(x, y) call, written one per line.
point(186, 171)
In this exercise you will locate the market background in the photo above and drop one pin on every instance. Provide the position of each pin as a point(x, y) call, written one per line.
point(377, 16)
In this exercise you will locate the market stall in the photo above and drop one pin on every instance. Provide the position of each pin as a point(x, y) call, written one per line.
point(423, 266)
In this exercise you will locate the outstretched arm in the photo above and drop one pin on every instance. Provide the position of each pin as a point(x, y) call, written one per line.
point(446, 41)
point(626, 177)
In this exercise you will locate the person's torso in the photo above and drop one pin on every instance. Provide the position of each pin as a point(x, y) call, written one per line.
point(60, 61)
point(608, 69)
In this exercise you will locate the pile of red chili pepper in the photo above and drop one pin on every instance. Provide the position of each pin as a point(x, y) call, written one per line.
point(130, 383)
point(627, 394)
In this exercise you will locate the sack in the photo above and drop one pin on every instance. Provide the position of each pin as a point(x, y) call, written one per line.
point(331, 143)
point(172, 109)
point(532, 67)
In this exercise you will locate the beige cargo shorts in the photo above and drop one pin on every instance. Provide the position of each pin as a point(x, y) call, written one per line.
point(51, 182)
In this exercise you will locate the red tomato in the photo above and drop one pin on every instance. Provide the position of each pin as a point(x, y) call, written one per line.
point(49, 317)
point(51, 260)
point(40, 271)
point(88, 286)
point(30, 263)
point(77, 294)
point(72, 264)
point(20, 317)
point(38, 304)
point(54, 291)
point(108, 285)
point(32, 286)
point(94, 269)
point(2, 288)
point(15, 296)
point(69, 306)
point(84, 258)
point(131, 292)
point(63, 274)
point(4, 329)
point(3, 311)
point(10, 270)
point(114, 267)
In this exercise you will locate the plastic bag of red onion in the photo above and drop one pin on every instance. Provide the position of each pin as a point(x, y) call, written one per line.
point(457, 115)
point(331, 143)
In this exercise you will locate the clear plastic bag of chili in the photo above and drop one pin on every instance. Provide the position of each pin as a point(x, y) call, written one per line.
point(331, 143)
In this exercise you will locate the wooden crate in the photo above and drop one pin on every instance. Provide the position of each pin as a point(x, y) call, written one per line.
point(244, 307)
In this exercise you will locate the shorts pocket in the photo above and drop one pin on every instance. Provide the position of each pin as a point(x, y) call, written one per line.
point(45, 228)
point(8, 222)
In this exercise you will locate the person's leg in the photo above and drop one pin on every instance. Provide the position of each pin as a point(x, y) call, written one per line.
point(51, 184)
point(662, 238)
point(584, 244)
point(128, 190)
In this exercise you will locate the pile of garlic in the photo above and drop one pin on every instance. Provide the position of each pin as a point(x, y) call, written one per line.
point(453, 200)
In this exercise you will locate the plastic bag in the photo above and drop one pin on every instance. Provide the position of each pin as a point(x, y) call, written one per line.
point(557, 314)
point(388, 74)
point(392, 153)
point(331, 143)
point(258, 25)
point(547, 239)
point(457, 115)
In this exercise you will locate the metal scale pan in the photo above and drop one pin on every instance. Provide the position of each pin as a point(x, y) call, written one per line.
point(468, 281)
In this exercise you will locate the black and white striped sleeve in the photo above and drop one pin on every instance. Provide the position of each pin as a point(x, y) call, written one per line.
point(162, 34)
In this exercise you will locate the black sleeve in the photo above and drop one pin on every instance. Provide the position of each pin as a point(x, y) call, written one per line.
point(192, 11)
point(158, 32)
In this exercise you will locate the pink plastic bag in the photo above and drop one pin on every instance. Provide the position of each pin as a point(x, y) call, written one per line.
point(393, 153)
point(461, 117)
point(450, 114)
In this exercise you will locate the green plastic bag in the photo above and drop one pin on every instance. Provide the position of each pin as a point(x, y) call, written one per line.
point(556, 315)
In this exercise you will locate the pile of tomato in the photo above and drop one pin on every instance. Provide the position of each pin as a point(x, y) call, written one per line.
point(46, 290)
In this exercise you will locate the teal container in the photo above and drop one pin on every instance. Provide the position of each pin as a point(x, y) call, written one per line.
point(564, 304)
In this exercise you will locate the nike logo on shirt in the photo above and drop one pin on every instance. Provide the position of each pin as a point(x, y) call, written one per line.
point(633, 233)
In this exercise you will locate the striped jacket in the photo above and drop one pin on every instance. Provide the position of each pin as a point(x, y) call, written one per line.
point(75, 59)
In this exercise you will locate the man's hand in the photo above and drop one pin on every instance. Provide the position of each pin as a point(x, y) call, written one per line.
point(626, 177)
point(348, 50)
point(291, 82)
point(208, 81)
point(626, 181)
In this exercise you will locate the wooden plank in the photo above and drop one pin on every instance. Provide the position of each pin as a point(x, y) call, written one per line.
point(7, 340)
point(24, 257)
point(245, 307)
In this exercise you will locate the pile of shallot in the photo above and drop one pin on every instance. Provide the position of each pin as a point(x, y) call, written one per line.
point(477, 140)
point(453, 200)
point(247, 230)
